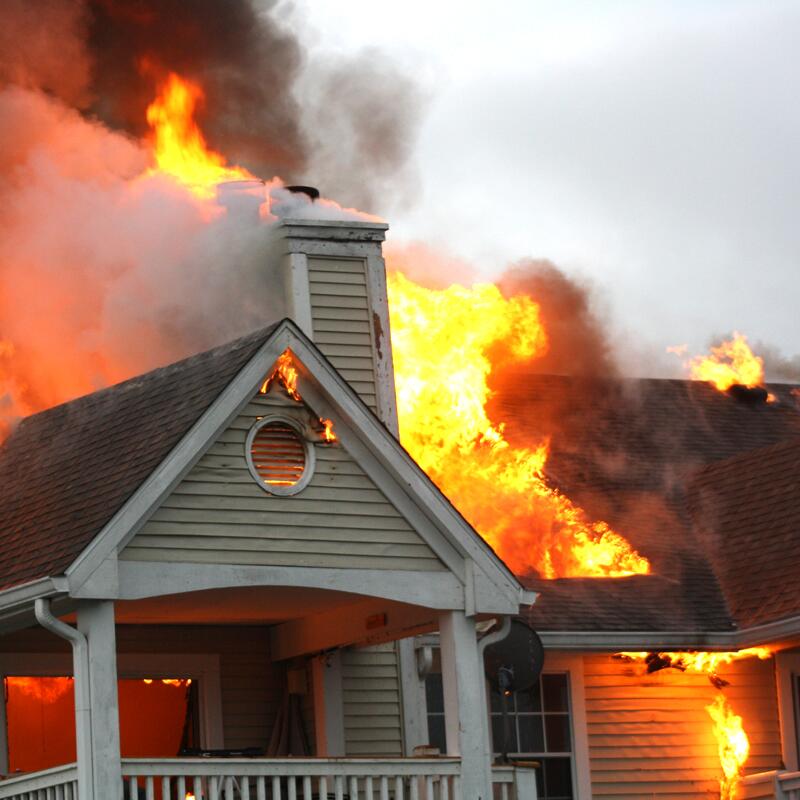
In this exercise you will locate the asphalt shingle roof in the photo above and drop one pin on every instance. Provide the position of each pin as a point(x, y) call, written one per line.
point(66, 471)
point(627, 451)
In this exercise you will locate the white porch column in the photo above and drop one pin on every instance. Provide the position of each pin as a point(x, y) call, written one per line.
point(466, 724)
point(96, 623)
point(326, 671)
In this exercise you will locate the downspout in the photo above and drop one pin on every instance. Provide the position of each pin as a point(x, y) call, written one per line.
point(490, 638)
point(83, 708)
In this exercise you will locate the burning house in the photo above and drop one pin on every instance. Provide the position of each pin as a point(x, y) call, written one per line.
point(272, 569)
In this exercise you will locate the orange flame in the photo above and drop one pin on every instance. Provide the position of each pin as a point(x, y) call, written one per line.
point(179, 147)
point(732, 744)
point(445, 344)
point(285, 373)
point(732, 362)
point(47, 689)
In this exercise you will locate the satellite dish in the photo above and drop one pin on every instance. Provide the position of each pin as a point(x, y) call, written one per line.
point(513, 664)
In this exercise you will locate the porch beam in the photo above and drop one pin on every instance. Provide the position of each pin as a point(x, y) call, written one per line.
point(369, 622)
point(466, 717)
point(96, 623)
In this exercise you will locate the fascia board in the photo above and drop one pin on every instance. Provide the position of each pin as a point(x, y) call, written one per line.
point(24, 595)
point(373, 435)
point(134, 513)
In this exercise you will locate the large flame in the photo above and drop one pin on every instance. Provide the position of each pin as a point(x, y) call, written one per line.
point(731, 362)
point(445, 344)
point(179, 147)
point(733, 745)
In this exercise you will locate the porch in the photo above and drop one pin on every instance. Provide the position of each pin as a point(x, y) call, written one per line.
point(771, 785)
point(277, 672)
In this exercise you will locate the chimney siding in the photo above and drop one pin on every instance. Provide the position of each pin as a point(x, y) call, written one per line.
point(335, 285)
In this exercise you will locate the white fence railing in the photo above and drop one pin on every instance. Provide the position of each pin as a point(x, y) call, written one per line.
point(772, 785)
point(292, 779)
point(58, 783)
point(514, 782)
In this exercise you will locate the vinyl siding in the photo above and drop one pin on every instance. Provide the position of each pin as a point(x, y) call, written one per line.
point(340, 314)
point(219, 514)
point(373, 724)
point(650, 736)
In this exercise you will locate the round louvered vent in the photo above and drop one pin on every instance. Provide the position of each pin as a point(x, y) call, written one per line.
point(278, 456)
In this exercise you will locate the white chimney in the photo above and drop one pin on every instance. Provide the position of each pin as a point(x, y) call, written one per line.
point(335, 283)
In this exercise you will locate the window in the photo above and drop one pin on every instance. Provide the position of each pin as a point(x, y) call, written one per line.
point(278, 455)
point(540, 728)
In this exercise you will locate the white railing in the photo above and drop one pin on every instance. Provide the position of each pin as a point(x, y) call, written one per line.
point(292, 779)
point(58, 783)
point(772, 785)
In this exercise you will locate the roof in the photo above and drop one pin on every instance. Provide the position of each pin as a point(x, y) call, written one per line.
point(746, 512)
point(628, 451)
point(66, 471)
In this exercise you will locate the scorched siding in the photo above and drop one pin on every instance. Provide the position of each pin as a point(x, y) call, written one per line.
point(650, 735)
point(219, 515)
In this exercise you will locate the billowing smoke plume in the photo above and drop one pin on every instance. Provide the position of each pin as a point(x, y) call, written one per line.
point(578, 338)
point(108, 271)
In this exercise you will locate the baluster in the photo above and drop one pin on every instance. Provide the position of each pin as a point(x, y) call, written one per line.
point(353, 787)
point(292, 788)
point(504, 791)
point(429, 787)
point(276, 788)
point(213, 787)
point(307, 787)
point(181, 788)
point(323, 788)
point(229, 788)
point(456, 787)
point(166, 791)
point(245, 787)
point(398, 788)
point(149, 789)
point(413, 785)
point(133, 787)
point(368, 788)
point(444, 787)
point(338, 787)
point(197, 788)
point(261, 788)
point(384, 787)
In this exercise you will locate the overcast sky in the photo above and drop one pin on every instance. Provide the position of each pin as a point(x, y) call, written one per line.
point(650, 148)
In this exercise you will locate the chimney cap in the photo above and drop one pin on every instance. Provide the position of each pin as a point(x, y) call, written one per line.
point(310, 191)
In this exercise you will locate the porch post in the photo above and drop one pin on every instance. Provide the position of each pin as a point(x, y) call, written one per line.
point(466, 723)
point(96, 623)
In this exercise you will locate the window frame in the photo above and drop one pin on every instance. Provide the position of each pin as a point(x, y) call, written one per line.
point(201, 667)
point(555, 662)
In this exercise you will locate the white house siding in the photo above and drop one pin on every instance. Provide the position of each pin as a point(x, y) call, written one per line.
point(372, 703)
point(341, 320)
point(650, 736)
point(218, 514)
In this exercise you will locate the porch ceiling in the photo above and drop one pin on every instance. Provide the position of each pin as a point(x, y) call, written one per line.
point(241, 605)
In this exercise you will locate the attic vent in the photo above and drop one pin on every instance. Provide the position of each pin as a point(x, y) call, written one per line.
point(278, 455)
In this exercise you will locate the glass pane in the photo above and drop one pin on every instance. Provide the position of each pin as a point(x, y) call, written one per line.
point(557, 779)
point(436, 735)
point(529, 700)
point(557, 729)
point(498, 737)
point(554, 689)
point(531, 739)
point(434, 695)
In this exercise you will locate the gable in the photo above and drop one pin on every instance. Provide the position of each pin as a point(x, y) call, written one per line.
point(219, 514)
